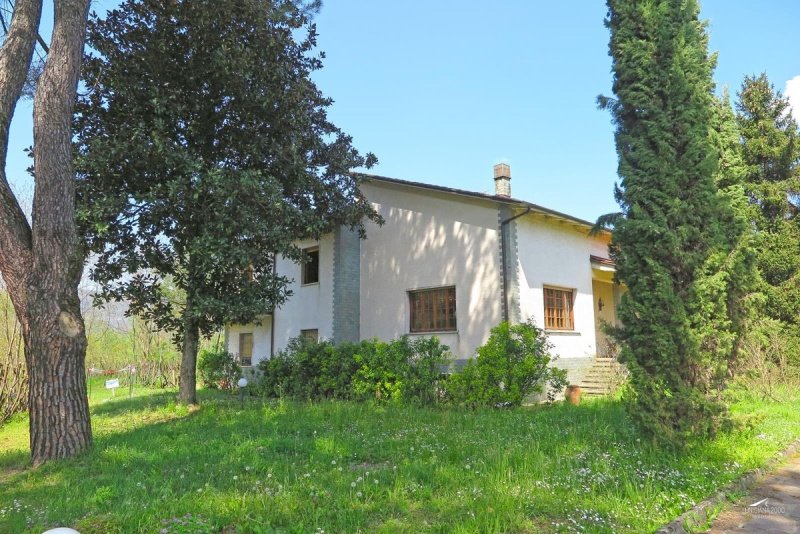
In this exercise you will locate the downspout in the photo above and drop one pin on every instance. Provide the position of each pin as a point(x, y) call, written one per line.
point(503, 246)
point(272, 319)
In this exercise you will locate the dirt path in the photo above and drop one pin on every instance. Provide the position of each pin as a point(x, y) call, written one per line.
point(773, 507)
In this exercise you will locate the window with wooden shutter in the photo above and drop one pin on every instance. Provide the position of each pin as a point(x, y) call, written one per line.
point(558, 309)
point(433, 310)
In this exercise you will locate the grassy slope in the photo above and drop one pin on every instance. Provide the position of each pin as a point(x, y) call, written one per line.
point(343, 467)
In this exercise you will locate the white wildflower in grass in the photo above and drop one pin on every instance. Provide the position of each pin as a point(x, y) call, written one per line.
point(375, 481)
point(333, 462)
point(359, 494)
point(247, 468)
point(352, 484)
point(235, 477)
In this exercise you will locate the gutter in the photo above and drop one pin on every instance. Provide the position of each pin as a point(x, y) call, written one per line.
point(503, 246)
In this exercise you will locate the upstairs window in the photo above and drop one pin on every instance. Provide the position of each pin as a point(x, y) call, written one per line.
point(433, 310)
point(246, 349)
point(558, 304)
point(311, 266)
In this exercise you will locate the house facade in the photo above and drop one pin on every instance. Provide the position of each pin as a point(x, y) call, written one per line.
point(448, 263)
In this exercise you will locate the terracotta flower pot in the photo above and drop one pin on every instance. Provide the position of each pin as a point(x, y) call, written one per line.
point(573, 395)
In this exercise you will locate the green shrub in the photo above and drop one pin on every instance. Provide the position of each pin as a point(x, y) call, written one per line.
point(403, 370)
point(218, 369)
point(428, 356)
point(337, 369)
point(308, 369)
point(380, 370)
point(513, 364)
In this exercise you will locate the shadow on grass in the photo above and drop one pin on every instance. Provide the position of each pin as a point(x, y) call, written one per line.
point(117, 406)
point(143, 470)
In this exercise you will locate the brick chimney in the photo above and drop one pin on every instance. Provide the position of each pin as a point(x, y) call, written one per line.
point(502, 180)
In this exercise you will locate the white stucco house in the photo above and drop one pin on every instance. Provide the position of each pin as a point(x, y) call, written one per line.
point(448, 263)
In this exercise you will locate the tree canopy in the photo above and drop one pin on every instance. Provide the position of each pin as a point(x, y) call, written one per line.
point(205, 151)
point(770, 151)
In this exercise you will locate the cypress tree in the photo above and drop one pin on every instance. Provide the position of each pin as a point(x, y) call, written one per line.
point(677, 243)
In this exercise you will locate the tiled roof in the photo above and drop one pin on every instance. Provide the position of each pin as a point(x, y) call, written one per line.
point(602, 261)
point(496, 198)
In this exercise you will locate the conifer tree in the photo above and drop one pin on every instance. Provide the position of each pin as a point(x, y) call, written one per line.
point(771, 155)
point(677, 241)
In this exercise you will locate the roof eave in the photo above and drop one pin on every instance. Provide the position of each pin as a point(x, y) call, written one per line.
point(534, 208)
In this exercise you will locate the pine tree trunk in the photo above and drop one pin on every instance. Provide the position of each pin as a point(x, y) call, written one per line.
point(56, 341)
point(42, 263)
point(55, 349)
point(187, 392)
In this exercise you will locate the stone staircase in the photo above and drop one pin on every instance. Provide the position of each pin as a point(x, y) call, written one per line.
point(603, 377)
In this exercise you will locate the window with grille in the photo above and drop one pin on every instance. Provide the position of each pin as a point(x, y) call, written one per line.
point(246, 349)
point(312, 334)
point(433, 310)
point(558, 313)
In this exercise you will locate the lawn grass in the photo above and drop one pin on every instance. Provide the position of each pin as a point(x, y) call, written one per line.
point(347, 467)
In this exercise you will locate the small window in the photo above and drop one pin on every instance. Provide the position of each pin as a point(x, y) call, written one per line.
point(312, 334)
point(246, 350)
point(558, 313)
point(433, 310)
point(311, 266)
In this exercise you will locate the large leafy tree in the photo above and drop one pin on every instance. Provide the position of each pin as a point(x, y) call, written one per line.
point(676, 240)
point(771, 155)
point(41, 261)
point(205, 151)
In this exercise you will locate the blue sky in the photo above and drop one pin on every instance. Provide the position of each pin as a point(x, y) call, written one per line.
point(441, 91)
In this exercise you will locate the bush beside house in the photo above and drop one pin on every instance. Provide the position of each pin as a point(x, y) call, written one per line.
point(512, 365)
point(218, 369)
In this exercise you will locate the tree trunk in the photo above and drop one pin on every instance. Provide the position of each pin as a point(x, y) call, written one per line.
point(42, 263)
point(56, 348)
point(187, 392)
point(58, 405)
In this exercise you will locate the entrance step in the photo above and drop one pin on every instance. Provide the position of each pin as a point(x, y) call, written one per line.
point(603, 377)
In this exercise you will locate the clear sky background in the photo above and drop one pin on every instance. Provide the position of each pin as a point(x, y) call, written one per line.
point(441, 90)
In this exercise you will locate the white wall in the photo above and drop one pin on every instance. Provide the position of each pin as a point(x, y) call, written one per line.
point(261, 338)
point(433, 239)
point(554, 253)
point(430, 239)
point(311, 305)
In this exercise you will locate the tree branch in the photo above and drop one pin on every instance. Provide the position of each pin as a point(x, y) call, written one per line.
point(15, 60)
point(54, 233)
